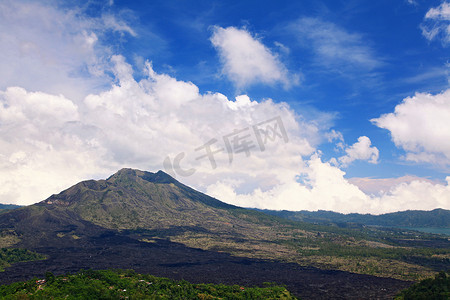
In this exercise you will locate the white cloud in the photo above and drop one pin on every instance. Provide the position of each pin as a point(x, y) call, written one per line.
point(284, 49)
point(334, 46)
point(380, 186)
point(437, 23)
point(247, 61)
point(139, 123)
point(420, 194)
point(324, 187)
point(135, 124)
point(433, 75)
point(44, 48)
point(442, 12)
point(419, 125)
point(334, 135)
point(111, 22)
point(38, 152)
point(361, 150)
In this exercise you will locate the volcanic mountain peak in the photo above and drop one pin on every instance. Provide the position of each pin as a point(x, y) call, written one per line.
point(127, 174)
point(132, 199)
point(128, 200)
point(137, 183)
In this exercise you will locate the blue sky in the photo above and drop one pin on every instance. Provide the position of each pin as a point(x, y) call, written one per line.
point(362, 88)
point(396, 59)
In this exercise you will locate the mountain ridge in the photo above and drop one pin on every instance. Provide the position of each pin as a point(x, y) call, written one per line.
point(409, 218)
point(134, 195)
point(129, 200)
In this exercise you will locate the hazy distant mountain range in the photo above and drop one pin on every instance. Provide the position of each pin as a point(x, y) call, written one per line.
point(411, 218)
point(8, 206)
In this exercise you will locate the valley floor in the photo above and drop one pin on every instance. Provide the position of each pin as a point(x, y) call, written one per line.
point(176, 261)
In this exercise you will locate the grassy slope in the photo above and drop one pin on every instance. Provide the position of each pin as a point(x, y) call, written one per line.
point(14, 255)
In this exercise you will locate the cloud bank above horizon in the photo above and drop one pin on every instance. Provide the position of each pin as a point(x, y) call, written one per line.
point(264, 154)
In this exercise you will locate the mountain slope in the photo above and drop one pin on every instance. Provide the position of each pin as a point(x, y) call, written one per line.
point(145, 205)
point(154, 204)
point(132, 199)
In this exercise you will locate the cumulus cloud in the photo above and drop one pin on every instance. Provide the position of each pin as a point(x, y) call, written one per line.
point(380, 186)
point(437, 23)
point(38, 152)
point(246, 60)
point(419, 125)
point(48, 142)
point(325, 187)
point(322, 187)
point(59, 50)
point(139, 124)
point(420, 194)
point(361, 150)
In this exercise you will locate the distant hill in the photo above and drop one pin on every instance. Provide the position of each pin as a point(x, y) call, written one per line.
point(9, 206)
point(411, 218)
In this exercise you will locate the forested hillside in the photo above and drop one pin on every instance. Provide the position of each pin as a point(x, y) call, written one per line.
point(118, 284)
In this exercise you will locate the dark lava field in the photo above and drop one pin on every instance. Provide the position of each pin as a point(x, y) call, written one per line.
point(176, 261)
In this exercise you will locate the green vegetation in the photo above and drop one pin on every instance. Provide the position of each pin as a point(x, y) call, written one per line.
point(364, 256)
point(429, 289)
point(347, 248)
point(412, 218)
point(8, 206)
point(15, 255)
point(119, 284)
point(376, 251)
